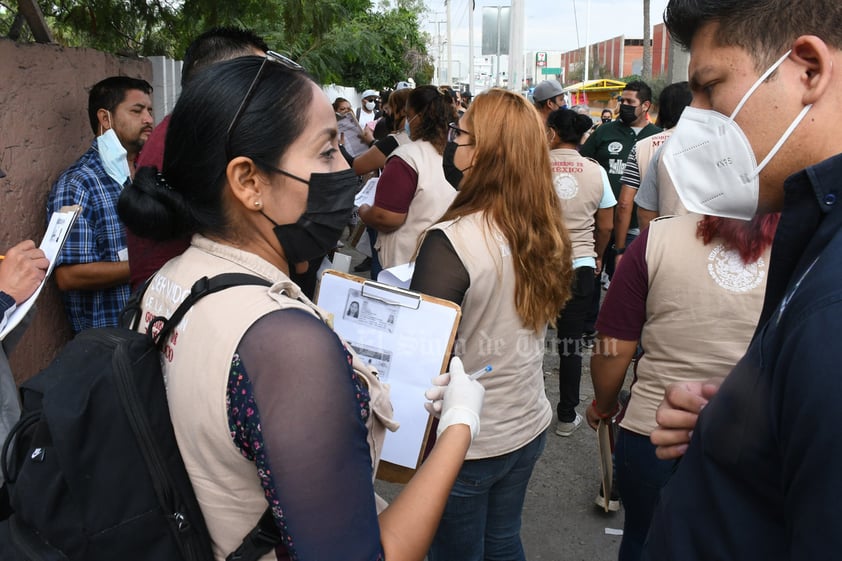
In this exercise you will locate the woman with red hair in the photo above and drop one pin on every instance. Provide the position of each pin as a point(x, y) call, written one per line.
point(689, 290)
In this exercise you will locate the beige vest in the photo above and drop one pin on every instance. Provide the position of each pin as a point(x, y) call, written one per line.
point(646, 148)
point(669, 204)
point(668, 201)
point(401, 137)
point(433, 196)
point(578, 183)
point(516, 408)
point(701, 310)
point(197, 362)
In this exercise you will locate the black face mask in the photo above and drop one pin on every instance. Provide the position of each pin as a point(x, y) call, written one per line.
point(627, 114)
point(330, 202)
point(451, 172)
point(606, 119)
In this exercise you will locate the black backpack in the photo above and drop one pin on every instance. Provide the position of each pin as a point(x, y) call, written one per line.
point(93, 469)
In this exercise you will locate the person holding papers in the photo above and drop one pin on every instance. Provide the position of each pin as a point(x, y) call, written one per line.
point(270, 408)
point(373, 159)
point(501, 251)
point(413, 192)
point(22, 270)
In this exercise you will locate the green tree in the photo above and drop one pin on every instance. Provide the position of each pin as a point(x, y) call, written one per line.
point(374, 49)
point(341, 41)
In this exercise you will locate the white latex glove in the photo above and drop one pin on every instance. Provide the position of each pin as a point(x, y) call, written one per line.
point(462, 401)
point(436, 394)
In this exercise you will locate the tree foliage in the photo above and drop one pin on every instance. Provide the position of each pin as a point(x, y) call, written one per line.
point(349, 42)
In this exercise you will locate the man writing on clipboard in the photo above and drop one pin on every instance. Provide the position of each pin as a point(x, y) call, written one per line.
point(22, 270)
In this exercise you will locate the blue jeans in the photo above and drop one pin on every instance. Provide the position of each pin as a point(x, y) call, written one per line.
point(640, 477)
point(375, 259)
point(482, 519)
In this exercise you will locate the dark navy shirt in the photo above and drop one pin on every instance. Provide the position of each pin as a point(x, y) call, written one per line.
point(763, 472)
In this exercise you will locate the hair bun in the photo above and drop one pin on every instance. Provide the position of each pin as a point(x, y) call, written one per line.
point(162, 181)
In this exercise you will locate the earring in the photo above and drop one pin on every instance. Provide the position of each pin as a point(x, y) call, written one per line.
point(258, 204)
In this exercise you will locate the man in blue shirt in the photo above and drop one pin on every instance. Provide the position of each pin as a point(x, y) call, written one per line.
point(92, 270)
point(760, 476)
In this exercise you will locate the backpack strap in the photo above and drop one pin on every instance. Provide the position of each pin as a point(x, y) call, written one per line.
point(265, 535)
point(261, 540)
point(130, 314)
point(200, 289)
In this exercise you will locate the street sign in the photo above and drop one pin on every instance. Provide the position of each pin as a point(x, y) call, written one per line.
point(495, 30)
point(554, 71)
point(541, 59)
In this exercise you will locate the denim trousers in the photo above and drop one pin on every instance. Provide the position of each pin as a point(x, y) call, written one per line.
point(640, 477)
point(569, 327)
point(482, 519)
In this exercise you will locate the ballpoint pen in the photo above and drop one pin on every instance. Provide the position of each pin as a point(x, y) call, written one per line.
point(480, 372)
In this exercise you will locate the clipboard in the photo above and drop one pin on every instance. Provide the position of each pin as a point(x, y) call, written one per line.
point(349, 125)
point(408, 337)
point(61, 222)
point(605, 442)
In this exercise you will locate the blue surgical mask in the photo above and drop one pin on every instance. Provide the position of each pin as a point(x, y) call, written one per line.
point(113, 156)
point(406, 126)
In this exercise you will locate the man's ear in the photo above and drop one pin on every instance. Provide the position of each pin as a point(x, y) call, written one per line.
point(816, 62)
point(104, 118)
point(246, 182)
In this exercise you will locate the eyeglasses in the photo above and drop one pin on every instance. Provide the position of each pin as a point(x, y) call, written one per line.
point(454, 132)
point(271, 56)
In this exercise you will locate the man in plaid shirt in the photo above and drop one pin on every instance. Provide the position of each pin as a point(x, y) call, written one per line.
point(92, 270)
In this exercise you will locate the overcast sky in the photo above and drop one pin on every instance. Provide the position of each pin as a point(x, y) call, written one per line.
point(550, 25)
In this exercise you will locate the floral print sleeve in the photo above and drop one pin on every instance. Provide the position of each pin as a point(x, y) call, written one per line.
point(297, 410)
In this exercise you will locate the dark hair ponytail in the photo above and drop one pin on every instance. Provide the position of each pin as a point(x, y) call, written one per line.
point(151, 209)
point(569, 125)
point(435, 110)
point(187, 196)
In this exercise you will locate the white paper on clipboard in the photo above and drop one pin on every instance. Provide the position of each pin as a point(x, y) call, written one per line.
point(399, 275)
point(57, 230)
point(367, 193)
point(407, 337)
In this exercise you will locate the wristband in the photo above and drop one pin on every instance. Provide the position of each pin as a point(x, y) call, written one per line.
point(602, 416)
point(618, 250)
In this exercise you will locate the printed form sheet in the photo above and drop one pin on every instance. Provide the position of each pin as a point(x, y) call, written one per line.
point(407, 337)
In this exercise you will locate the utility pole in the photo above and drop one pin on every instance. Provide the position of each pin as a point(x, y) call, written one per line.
point(516, 45)
point(471, 46)
point(438, 60)
point(587, 42)
point(449, 45)
point(499, 31)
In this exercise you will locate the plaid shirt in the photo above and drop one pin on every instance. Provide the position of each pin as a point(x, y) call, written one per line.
point(98, 235)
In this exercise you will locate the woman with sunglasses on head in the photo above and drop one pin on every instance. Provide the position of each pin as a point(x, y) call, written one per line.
point(588, 203)
point(269, 407)
point(412, 192)
point(501, 252)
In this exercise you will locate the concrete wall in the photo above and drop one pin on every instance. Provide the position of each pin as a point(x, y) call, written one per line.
point(43, 129)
